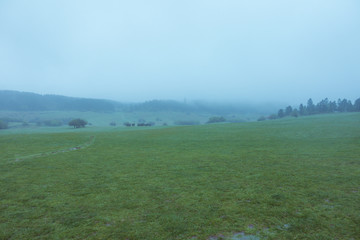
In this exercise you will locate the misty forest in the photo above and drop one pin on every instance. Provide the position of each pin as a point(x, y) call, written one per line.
point(180, 120)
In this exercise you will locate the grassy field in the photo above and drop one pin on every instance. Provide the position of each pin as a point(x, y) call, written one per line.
point(282, 179)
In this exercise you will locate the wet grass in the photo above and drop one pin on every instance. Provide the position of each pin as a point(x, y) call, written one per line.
point(284, 179)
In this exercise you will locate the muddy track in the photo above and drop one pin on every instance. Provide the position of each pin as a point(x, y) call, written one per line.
point(43, 154)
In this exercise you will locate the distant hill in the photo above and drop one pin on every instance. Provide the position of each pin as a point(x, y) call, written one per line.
point(26, 101)
point(197, 106)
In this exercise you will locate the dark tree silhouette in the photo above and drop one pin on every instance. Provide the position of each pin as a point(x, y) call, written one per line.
point(216, 119)
point(288, 110)
point(310, 106)
point(324, 106)
point(78, 123)
point(357, 105)
point(281, 113)
point(302, 110)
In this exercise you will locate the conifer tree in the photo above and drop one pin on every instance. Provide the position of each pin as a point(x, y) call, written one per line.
point(310, 106)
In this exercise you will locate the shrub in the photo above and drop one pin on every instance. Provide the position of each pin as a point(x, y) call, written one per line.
point(149, 124)
point(262, 118)
point(127, 124)
point(216, 119)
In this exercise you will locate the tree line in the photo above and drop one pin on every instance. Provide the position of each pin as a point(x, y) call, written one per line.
point(324, 106)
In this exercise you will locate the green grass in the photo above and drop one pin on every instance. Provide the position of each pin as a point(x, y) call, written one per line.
point(283, 179)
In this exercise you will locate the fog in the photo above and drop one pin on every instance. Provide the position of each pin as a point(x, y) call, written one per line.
point(231, 50)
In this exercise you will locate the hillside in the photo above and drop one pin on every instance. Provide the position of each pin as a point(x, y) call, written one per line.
point(25, 101)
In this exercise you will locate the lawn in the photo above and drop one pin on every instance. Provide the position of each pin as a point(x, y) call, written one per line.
point(294, 178)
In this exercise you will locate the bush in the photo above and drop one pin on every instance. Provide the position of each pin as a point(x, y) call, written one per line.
point(129, 124)
point(216, 119)
point(113, 124)
point(149, 124)
point(262, 118)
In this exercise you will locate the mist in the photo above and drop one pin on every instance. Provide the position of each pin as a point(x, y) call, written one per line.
point(222, 51)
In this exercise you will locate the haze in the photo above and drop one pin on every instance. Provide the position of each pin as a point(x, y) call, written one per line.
point(228, 50)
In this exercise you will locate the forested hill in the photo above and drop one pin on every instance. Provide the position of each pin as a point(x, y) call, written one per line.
point(25, 101)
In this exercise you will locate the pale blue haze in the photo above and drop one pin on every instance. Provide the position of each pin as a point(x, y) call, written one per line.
point(228, 50)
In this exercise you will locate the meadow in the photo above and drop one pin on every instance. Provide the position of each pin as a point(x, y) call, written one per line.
point(293, 178)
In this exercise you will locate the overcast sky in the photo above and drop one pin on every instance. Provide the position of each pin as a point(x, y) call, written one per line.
point(257, 50)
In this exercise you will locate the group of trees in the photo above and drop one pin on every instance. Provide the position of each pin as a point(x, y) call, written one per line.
point(76, 123)
point(140, 124)
point(216, 119)
point(324, 106)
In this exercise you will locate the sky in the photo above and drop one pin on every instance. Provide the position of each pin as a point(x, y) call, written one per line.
point(218, 50)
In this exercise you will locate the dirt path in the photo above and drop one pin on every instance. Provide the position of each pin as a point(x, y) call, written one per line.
point(43, 154)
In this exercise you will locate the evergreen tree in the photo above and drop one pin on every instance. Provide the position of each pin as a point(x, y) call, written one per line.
point(345, 105)
point(323, 106)
point(302, 110)
point(281, 113)
point(350, 106)
point(357, 105)
point(310, 107)
point(295, 113)
point(332, 106)
point(288, 110)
